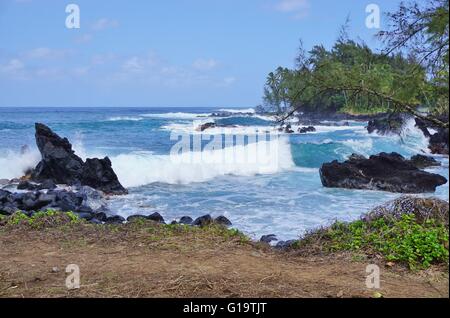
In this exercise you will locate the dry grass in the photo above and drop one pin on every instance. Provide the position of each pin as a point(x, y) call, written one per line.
point(144, 259)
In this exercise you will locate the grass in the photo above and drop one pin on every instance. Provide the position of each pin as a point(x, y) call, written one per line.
point(410, 231)
point(408, 238)
point(155, 232)
point(42, 219)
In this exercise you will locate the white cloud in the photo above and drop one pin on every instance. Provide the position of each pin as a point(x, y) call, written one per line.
point(81, 71)
point(85, 38)
point(229, 80)
point(45, 52)
point(299, 8)
point(205, 64)
point(13, 66)
point(104, 23)
point(140, 64)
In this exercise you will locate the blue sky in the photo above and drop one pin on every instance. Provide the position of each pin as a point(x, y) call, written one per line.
point(161, 53)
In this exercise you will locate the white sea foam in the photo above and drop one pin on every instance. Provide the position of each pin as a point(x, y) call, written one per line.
point(238, 111)
point(137, 169)
point(362, 147)
point(192, 128)
point(13, 164)
point(413, 139)
point(125, 118)
point(178, 115)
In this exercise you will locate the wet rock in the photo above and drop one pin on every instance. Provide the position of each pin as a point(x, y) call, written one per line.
point(187, 220)
point(8, 209)
point(59, 162)
point(423, 126)
point(156, 217)
point(93, 199)
point(47, 185)
point(95, 221)
point(102, 217)
point(68, 201)
point(222, 221)
point(85, 215)
point(98, 174)
point(206, 126)
point(203, 220)
point(268, 238)
point(26, 185)
point(385, 172)
point(136, 217)
point(288, 129)
point(421, 161)
point(116, 219)
point(46, 198)
point(439, 142)
point(390, 124)
point(4, 195)
point(60, 165)
point(356, 157)
point(30, 202)
point(286, 244)
point(304, 130)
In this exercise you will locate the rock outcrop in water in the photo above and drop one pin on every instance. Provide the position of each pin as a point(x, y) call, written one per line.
point(61, 165)
point(384, 172)
point(389, 124)
point(439, 142)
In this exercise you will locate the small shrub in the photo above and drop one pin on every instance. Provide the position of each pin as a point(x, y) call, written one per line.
point(404, 240)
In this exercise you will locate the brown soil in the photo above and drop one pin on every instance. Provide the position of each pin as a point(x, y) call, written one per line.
point(147, 260)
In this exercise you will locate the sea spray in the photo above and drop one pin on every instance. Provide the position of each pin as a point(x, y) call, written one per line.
point(14, 164)
point(138, 169)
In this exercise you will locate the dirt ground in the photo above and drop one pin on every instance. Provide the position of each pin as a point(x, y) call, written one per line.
point(144, 261)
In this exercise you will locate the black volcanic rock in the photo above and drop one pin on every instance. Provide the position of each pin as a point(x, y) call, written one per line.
point(385, 172)
point(222, 220)
point(421, 161)
point(203, 220)
point(156, 217)
point(59, 162)
point(439, 142)
point(304, 130)
point(390, 124)
point(98, 174)
point(61, 165)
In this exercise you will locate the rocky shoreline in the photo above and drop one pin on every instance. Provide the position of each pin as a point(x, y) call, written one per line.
point(62, 181)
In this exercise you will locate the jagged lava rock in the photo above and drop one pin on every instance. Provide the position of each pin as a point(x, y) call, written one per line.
point(384, 172)
point(61, 165)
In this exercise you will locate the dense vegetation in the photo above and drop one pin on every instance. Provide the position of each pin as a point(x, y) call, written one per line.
point(350, 77)
point(410, 231)
point(405, 240)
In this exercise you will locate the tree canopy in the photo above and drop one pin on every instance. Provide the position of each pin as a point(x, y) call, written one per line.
point(411, 71)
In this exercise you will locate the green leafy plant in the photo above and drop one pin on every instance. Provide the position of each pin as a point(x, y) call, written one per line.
point(404, 239)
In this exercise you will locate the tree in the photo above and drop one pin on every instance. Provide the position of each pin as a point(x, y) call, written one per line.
point(352, 78)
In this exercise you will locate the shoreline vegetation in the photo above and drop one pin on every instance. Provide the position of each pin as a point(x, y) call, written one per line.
point(144, 258)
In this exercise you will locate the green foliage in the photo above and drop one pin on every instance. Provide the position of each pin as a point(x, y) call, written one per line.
point(351, 78)
point(42, 218)
point(403, 240)
point(318, 85)
point(18, 218)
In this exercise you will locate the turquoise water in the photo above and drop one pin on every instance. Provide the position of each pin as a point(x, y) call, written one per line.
point(285, 200)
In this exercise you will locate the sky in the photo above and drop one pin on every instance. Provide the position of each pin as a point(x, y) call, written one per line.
point(171, 53)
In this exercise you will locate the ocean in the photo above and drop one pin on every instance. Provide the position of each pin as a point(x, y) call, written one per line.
point(282, 195)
